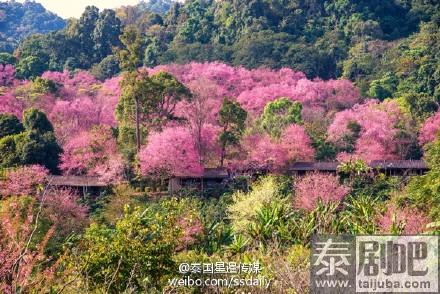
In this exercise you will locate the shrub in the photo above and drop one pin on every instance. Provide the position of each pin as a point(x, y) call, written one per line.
point(246, 206)
point(134, 255)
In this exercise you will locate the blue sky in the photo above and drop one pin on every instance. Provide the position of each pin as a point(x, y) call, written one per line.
point(74, 8)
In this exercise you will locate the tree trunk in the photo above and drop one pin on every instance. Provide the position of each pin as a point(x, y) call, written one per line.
point(138, 127)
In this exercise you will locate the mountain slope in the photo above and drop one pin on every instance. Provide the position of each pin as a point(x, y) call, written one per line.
point(18, 20)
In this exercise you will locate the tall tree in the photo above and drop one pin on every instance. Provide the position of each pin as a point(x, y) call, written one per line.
point(131, 57)
point(86, 27)
point(147, 102)
point(106, 34)
point(232, 119)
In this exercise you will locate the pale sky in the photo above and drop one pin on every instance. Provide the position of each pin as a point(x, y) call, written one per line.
point(74, 8)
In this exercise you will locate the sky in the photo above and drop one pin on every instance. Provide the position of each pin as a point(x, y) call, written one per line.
point(74, 8)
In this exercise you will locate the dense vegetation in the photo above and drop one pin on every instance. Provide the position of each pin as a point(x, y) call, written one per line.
point(137, 96)
point(19, 20)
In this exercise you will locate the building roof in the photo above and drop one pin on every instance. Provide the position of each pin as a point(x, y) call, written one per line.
point(399, 164)
point(377, 164)
point(311, 166)
point(209, 173)
point(77, 181)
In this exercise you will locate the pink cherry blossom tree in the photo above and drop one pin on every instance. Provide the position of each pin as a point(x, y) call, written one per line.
point(262, 153)
point(405, 221)
point(10, 104)
point(7, 75)
point(430, 129)
point(297, 144)
point(380, 124)
point(315, 186)
point(170, 152)
point(24, 181)
point(93, 153)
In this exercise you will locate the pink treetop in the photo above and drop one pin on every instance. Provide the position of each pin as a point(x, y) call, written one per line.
point(24, 181)
point(332, 94)
point(106, 101)
point(205, 105)
point(409, 221)
point(171, 152)
point(81, 83)
point(312, 187)
point(7, 75)
point(379, 122)
point(10, 104)
point(430, 129)
point(233, 80)
point(72, 117)
point(297, 143)
point(93, 153)
point(255, 99)
point(263, 153)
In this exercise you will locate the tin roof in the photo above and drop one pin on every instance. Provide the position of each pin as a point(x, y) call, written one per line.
point(377, 164)
point(77, 181)
point(209, 173)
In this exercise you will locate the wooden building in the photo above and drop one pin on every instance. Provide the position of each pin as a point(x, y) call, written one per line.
point(211, 177)
point(84, 184)
point(389, 167)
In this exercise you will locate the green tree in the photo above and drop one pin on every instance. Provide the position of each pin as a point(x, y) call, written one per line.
point(35, 120)
point(278, 114)
point(37, 144)
point(33, 147)
point(30, 67)
point(384, 87)
point(106, 34)
point(131, 57)
point(107, 68)
point(85, 32)
point(232, 118)
point(147, 102)
point(9, 125)
point(424, 191)
point(7, 58)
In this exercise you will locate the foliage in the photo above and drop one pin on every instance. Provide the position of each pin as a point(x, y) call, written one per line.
point(246, 206)
point(135, 254)
point(106, 69)
point(422, 191)
point(278, 114)
point(231, 118)
point(360, 214)
point(147, 102)
point(35, 120)
point(36, 145)
point(9, 125)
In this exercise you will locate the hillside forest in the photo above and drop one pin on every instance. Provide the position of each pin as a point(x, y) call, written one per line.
point(132, 99)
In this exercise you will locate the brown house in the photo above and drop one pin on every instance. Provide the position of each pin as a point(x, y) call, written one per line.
point(390, 167)
point(82, 184)
point(211, 177)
